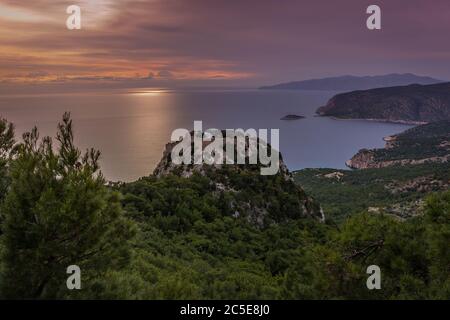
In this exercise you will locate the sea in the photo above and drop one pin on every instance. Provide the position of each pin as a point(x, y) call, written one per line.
point(132, 127)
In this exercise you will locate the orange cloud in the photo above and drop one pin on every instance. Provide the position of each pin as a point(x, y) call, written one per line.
point(115, 44)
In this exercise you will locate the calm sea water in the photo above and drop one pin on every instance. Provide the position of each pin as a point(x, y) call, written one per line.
point(132, 128)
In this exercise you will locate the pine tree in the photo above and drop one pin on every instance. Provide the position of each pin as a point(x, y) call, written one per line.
point(6, 152)
point(58, 212)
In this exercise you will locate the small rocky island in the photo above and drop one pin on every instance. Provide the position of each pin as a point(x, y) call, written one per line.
point(292, 117)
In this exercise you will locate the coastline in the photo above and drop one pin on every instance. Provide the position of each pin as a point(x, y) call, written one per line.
point(407, 122)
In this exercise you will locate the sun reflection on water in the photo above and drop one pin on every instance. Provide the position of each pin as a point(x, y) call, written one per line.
point(149, 92)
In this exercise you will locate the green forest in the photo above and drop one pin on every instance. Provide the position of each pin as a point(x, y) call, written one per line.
point(397, 190)
point(178, 238)
point(421, 142)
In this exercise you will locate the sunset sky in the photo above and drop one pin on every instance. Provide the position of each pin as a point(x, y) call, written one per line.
point(127, 43)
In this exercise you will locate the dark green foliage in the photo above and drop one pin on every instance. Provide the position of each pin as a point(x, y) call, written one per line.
point(437, 241)
point(179, 202)
point(191, 244)
point(413, 259)
point(6, 152)
point(223, 257)
point(57, 212)
point(421, 142)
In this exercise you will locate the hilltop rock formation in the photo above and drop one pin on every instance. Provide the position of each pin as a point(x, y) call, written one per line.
point(247, 193)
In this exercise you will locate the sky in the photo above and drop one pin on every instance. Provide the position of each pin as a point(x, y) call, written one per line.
point(169, 43)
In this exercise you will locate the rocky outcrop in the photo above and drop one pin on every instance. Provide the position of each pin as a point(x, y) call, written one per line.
point(362, 160)
point(421, 184)
point(260, 199)
point(365, 159)
point(415, 104)
point(334, 175)
point(166, 166)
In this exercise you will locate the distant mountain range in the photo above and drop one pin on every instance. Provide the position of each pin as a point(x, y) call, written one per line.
point(408, 104)
point(350, 83)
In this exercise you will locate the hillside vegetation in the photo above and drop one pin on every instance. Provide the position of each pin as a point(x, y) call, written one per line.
point(421, 142)
point(172, 237)
point(429, 143)
point(399, 190)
